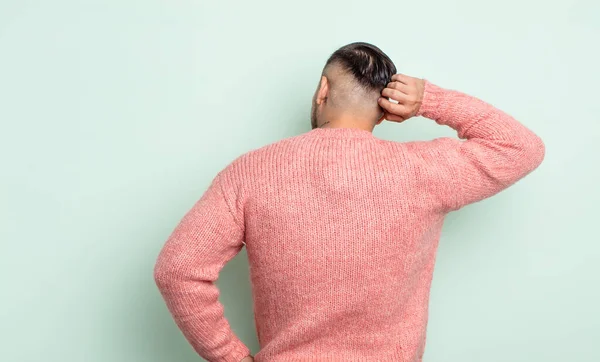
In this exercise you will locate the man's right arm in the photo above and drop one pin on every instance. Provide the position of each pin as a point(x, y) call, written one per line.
point(497, 150)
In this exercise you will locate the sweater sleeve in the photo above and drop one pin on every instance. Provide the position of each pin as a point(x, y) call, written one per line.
point(493, 151)
point(208, 236)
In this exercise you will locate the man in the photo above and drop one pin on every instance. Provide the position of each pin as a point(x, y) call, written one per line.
point(341, 227)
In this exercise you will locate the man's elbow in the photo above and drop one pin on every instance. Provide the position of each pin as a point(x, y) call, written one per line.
point(524, 157)
point(172, 275)
point(164, 275)
point(535, 152)
point(532, 151)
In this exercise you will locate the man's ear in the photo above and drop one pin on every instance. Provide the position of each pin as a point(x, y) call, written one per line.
point(323, 91)
point(381, 118)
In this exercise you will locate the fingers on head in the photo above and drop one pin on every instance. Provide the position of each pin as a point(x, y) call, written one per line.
point(385, 104)
point(390, 107)
point(392, 93)
point(399, 77)
point(400, 87)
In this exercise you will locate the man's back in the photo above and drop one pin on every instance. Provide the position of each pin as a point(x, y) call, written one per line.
point(341, 230)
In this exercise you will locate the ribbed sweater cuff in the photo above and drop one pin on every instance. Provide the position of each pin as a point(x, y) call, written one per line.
point(433, 102)
point(238, 352)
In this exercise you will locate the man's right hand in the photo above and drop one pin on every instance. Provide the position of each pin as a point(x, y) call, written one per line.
point(408, 92)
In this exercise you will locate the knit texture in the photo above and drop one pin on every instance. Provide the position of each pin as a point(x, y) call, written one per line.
point(341, 230)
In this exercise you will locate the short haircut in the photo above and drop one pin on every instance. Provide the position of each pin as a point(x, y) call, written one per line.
point(370, 66)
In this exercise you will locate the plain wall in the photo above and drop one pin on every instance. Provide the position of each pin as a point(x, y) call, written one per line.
point(115, 116)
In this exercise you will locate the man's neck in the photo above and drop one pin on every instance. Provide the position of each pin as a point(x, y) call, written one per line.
point(347, 123)
point(360, 125)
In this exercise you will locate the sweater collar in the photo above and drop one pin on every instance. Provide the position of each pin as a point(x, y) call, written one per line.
point(340, 132)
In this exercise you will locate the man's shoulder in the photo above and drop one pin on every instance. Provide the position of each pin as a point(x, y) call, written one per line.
point(263, 154)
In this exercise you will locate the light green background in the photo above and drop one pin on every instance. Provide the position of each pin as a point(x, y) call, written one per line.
point(115, 116)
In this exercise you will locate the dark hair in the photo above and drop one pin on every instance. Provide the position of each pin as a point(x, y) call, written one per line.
point(371, 67)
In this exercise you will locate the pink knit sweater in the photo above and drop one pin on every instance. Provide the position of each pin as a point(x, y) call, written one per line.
point(341, 230)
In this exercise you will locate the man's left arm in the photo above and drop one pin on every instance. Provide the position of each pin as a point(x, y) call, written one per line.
point(208, 236)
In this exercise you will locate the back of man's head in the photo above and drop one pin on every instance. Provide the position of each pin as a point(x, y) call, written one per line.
point(357, 73)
